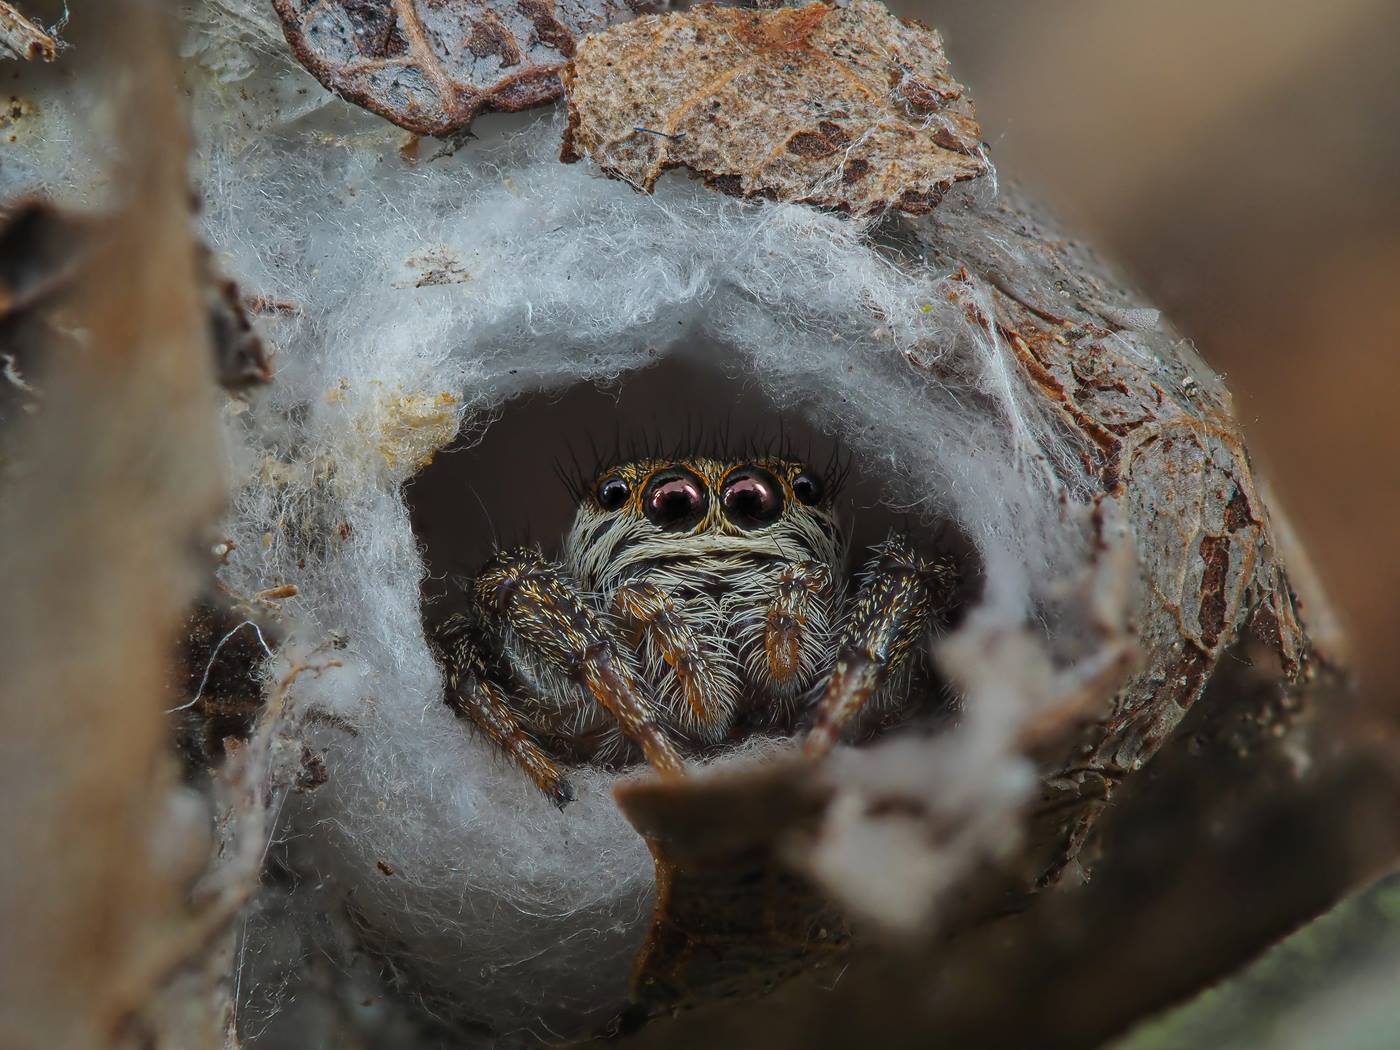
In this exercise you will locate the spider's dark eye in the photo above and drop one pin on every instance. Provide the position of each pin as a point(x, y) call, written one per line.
point(808, 488)
point(613, 493)
point(676, 500)
point(752, 498)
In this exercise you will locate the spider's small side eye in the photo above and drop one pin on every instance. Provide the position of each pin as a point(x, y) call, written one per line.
point(808, 488)
point(752, 498)
point(613, 493)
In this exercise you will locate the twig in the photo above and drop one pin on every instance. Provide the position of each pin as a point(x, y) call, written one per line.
point(22, 38)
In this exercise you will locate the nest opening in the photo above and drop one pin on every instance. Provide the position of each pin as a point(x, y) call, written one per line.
point(506, 481)
point(512, 481)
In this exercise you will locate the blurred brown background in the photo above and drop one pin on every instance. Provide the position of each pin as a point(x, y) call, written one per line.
point(1241, 162)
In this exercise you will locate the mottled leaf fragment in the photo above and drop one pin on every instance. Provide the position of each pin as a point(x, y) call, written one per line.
point(432, 66)
point(843, 107)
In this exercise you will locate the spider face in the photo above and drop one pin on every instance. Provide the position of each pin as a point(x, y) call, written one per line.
point(719, 519)
point(695, 600)
point(689, 555)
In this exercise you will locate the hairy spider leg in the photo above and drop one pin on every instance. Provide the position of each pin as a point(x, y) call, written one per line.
point(788, 620)
point(472, 693)
point(522, 592)
point(900, 597)
point(648, 610)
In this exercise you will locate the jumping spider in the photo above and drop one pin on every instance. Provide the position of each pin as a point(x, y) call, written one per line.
point(697, 600)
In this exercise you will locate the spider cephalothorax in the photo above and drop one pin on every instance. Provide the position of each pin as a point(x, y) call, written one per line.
point(696, 600)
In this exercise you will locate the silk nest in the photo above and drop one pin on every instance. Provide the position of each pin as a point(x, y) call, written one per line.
point(411, 301)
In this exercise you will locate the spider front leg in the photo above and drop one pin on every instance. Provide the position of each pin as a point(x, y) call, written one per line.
point(900, 598)
point(473, 693)
point(521, 594)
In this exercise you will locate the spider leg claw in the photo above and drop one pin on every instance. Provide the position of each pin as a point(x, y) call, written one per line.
point(561, 794)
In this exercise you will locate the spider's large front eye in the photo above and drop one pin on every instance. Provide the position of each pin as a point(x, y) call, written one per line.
point(613, 493)
point(752, 498)
point(676, 500)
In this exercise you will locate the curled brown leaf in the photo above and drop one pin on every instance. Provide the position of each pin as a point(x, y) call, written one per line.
point(433, 66)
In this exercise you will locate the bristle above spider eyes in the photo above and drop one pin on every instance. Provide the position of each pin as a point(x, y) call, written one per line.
point(808, 488)
point(613, 493)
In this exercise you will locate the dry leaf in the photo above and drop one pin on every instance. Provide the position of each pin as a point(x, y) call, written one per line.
point(849, 108)
point(732, 917)
point(432, 66)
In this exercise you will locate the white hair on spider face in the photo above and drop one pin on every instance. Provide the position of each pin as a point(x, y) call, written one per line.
point(723, 538)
